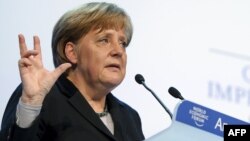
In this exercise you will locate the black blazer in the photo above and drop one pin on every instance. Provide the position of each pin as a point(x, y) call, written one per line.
point(67, 116)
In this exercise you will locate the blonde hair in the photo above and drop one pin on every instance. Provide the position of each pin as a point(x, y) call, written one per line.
point(76, 23)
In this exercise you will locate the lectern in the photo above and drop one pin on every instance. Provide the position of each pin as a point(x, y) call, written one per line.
point(194, 122)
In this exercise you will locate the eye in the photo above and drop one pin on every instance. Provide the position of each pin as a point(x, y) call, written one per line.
point(103, 40)
point(124, 44)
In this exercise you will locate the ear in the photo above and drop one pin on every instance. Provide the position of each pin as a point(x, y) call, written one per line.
point(70, 52)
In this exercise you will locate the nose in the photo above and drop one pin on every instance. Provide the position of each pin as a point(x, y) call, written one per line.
point(117, 49)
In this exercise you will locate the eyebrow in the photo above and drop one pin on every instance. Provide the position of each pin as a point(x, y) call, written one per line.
point(108, 34)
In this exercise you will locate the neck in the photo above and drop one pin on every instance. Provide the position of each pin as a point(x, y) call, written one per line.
point(95, 96)
point(98, 106)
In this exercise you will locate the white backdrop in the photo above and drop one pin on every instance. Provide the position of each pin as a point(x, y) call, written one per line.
point(201, 47)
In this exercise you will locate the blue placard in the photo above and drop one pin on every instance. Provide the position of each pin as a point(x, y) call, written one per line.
point(204, 118)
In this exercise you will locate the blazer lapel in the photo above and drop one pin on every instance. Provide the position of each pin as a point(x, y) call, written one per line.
point(117, 117)
point(81, 105)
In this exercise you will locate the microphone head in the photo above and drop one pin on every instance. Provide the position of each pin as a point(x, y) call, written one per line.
point(139, 78)
point(175, 93)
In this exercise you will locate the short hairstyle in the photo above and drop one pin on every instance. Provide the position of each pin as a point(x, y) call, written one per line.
point(76, 23)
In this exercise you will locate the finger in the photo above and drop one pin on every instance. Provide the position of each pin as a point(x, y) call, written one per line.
point(22, 45)
point(37, 46)
point(29, 53)
point(59, 70)
point(24, 62)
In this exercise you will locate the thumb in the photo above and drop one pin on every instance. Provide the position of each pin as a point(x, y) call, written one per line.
point(60, 69)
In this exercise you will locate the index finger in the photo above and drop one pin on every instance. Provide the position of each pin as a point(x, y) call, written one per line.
point(22, 45)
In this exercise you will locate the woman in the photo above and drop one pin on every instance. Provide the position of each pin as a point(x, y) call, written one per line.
point(74, 102)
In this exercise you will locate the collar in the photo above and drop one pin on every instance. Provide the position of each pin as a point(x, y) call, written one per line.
point(77, 100)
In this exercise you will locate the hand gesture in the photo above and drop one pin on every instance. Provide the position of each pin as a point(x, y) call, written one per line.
point(36, 80)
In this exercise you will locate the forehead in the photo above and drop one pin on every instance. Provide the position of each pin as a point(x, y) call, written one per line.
point(110, 32)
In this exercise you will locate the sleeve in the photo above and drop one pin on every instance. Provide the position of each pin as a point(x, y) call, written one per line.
point(10, 131)
point(26, 114)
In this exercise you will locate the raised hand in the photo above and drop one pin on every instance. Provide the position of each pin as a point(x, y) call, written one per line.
point(36, 80)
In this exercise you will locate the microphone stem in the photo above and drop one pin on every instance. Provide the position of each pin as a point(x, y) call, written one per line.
point(182, 98)
point(166, 109)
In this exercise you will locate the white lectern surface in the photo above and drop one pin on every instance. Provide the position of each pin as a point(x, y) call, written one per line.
point(194, 122)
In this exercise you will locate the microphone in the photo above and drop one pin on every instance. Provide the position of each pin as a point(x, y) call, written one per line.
point(175, 93)
point(140, 80)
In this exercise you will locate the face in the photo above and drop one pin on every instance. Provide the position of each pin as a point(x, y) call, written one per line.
point(102, 58)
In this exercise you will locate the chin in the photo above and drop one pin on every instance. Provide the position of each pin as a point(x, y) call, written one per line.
point(114, 81)
point(113, 78)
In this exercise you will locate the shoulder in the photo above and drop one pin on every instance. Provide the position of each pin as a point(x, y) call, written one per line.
point(11, 105)
point(114, 102)
point(126, 116)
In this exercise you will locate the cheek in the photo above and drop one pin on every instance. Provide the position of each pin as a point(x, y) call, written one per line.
point(87, 62)
point(95, 63)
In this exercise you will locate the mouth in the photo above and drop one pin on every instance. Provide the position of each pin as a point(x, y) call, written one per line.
point(115, 66)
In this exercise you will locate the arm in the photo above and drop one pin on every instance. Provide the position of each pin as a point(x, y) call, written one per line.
point(36, 83)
